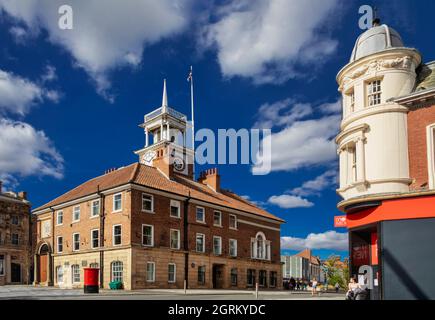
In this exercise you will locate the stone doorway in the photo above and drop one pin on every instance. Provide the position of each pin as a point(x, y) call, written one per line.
point(15, 273)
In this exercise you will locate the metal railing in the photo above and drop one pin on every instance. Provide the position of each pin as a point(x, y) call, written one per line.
point(159, 111)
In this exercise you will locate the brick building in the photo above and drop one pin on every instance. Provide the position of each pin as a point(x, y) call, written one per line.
point(387, 164)
point(15, 238)
point(151, 225)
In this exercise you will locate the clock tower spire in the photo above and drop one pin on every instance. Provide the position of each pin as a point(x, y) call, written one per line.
point(165, 140)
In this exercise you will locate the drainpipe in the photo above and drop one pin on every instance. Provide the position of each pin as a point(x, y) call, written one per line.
point(186, 240)
point(102, 220)
point(50, 280)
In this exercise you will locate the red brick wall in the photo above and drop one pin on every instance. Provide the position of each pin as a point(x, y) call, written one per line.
point(418, 120)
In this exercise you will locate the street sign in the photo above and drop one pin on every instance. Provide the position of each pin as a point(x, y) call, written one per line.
point(340, 222)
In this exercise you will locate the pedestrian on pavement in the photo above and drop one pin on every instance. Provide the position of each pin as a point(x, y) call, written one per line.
point(314, 287)
point(337, 287)
point(352, 288)
point(298, 285)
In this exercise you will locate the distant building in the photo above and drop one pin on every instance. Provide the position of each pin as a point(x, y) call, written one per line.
point(303, 266)
point(15, 238)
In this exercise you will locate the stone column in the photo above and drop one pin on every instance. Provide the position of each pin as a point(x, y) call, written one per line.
point(8, 268)
point(146, 138)
point(35, 269)
point(168, 132)
point(49, 272)
point(360, 160)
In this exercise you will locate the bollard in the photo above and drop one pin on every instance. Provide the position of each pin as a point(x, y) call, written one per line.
point(185, 287)
point(256, 290)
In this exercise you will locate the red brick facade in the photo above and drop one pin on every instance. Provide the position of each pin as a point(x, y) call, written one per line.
point(419, 118)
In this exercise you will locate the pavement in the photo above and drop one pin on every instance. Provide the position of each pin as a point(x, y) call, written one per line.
point(22, 292)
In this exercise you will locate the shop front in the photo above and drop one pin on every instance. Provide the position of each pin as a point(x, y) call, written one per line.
point(392, 246)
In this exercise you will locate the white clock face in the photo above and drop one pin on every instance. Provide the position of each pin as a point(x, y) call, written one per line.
point(179, 164)
point(148, 157)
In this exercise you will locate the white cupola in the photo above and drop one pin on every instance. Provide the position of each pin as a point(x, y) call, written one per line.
point(373, 140)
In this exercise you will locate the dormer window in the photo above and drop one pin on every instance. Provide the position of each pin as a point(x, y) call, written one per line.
point(374, 93)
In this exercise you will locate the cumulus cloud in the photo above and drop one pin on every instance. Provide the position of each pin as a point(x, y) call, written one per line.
point(107, 34)
point(18, 95)
point(268, 40)
point(297, 141)
point(315, 186)
point(25, 151)
point(290, 202)
point(329, 240)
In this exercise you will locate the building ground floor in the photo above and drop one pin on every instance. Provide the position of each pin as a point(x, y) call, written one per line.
point(14, 266)
point(392, 247)
point(154, 268)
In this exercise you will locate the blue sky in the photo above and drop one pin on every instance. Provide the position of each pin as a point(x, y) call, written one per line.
point(71, 101)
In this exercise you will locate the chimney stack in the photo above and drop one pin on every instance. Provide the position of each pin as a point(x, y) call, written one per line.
point(163, 161)
point(22, 195)
point(211, 178)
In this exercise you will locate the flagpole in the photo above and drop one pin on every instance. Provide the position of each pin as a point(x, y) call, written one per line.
point(193, 118)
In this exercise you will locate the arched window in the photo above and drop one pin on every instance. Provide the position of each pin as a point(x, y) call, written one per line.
point(117, 271)
point(260, 247)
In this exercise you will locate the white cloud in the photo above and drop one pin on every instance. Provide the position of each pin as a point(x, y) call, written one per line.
point(18, 95)
point(107, 34)
point(268, 40)
point(302, 144)
point(50, 74)
point(281, 113)
point(320, 183)
point(25, 151)
point(329, 240)
point(290, 202)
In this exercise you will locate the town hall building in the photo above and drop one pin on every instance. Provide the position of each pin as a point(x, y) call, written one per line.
point(152, 225)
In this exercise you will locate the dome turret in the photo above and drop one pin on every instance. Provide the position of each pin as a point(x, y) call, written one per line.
point(374, 40)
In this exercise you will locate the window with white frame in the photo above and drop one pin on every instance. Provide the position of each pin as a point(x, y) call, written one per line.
point(151, 272)
point(147, 202)
point(233, 248)
point(95, 238)
point(217, 245)
point(76, 213)
point(59, 244)
point(59, 218)
point(217, 219)
point(2, 265)
point(76, 241)
point(431, 155)
point(175, 239)
point(260, 247)
point(374, 93)
point(200, 214)
point(233, 222)
point(75, 273)
point(175, 209)
point(59, 274)
point(172, 273)
point(351, 98)
point(200, 242)
point(117, 202)
point(117, 235)
point(147, 235)
point(117, 271)
point(95, 211)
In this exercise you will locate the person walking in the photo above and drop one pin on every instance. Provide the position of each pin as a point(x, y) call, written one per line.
point(337, 287)
point(314, 284)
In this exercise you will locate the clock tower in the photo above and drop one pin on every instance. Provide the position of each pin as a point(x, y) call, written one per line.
point(165, 140)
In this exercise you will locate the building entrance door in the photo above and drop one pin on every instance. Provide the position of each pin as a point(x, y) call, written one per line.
point(43, 268)
point(218, 270)
point(15, 273)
